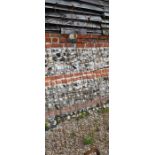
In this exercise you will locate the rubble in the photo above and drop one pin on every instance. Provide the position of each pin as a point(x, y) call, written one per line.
point(67, 138)
point(56, 120)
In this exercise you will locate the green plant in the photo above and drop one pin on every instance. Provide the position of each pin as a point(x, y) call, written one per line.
point(105, 110)
point(46, 126)
point(88, 140)
point(83, 114)
point(58, 119)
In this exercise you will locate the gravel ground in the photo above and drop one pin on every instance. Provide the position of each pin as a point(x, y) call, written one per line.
point(68, 137)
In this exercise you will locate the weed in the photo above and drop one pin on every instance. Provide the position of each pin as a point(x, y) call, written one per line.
point(83, 114)
point(105, 110)
point(88, 140)
point(46, 126)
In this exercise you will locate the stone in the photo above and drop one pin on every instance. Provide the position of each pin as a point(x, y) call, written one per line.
point(68, 117)
point(54, 122)
point(93, 151)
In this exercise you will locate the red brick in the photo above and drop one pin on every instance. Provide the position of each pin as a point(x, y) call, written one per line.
point(58, 82)
point(55, 35)
point(48, 46)
point(68, 75)
point(104, 70)
point(56, 45)
point(55, 40)
point(91, 76)
point(69, 80)
point(102, 45)
point(100, 42)
point(84, 40)
point(78, 45)
point(88, 73)
point(64, 35)
point(78, 74)
point(98, 75)
point(106, 44)
point(67, 45)
point(47, 35)
point(53, 78)
point(89, 45)
point(104, 37)
point(51, 83)
point(47, 39)
point(77, 79)
point(96, 36)
point(79, 41)
point(46, 84)
point(98, 72)
point(64, 81)
point(63, 40)
point(73, 77)
point(59, 76)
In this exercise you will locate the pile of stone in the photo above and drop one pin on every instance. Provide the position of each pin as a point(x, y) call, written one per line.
point(68, 137)
point(55, 121)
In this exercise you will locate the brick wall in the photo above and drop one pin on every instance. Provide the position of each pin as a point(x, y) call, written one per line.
point(82, 41)
point(76, 69)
